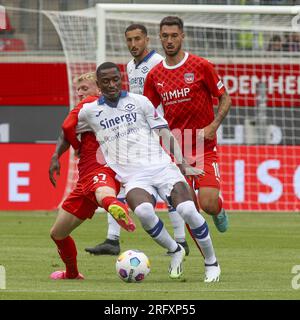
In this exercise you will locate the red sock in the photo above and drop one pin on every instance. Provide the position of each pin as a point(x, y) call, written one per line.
point(68, 253)
point(107, 201)
point(220, 204)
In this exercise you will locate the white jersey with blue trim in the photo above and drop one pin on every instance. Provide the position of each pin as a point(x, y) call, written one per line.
point(124, 132)
point(137, 72)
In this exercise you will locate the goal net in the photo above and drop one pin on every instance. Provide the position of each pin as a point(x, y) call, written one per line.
point(255, 50)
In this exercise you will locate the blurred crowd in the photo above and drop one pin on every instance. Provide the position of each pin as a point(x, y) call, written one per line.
point(288, 43)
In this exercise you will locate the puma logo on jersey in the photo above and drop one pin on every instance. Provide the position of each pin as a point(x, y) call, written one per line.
point(160, 84)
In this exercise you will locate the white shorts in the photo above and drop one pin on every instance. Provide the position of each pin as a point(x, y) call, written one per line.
point(121, 195)
point(159, 181)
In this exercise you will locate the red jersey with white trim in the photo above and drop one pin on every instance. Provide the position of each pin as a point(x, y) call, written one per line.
point(91, 157)
point(186, 91)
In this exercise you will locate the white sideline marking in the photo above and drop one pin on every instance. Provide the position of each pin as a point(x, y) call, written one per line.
point(134, 290)
point(2, 278)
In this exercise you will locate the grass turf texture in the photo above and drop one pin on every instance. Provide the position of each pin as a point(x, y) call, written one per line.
point(256, 256)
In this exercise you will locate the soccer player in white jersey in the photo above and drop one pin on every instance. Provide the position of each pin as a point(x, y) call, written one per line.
point(125, 125)
point(143, 60)
point(137, 69)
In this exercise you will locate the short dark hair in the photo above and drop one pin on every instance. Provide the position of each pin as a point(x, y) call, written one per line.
point(106, 65)
point(135, 26)
point(171, 21)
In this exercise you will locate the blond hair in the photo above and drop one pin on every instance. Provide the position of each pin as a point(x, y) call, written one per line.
point(85, 76)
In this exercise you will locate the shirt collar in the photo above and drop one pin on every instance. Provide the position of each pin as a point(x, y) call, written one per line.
point(146, 58)
point(111, 104)
point(186, 55)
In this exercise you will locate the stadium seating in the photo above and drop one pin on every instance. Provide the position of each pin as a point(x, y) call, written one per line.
point(11, 44)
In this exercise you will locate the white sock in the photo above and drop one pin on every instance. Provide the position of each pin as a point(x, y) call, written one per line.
point(114, 230)
point(178, 225)
point(207, 249)
point(199, 228)
point(154, 226)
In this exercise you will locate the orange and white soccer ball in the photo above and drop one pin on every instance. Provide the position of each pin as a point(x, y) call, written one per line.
point(132, 266)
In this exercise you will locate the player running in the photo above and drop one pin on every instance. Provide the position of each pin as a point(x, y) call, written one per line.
point(184, 84)
point(124, 124)
point(137, 69)
point(95, 187)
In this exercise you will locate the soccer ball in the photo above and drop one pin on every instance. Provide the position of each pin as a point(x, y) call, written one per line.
point(132, 266)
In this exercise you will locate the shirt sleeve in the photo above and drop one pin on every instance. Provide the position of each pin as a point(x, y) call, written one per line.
point(212, 80)
point(150, 90)
point(74, 125)
point(69, 128)
point(82, 125)
point(154, 118)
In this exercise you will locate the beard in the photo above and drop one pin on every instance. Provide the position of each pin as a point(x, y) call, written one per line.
point(174, 53)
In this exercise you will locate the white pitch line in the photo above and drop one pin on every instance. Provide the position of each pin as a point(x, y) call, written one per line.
point(135, 291)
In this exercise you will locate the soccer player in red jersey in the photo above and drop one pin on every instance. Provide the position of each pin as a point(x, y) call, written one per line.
point(185, 84)
point(96, 186)
point(85, 86)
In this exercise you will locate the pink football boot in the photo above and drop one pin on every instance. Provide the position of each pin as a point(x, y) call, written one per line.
point(61, 275)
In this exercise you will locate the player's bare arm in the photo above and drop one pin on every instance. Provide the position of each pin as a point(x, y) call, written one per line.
point(172, 146)
point(223, 108)
point(61, 147)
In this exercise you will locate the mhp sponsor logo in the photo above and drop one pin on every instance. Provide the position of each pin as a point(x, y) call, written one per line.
point(128, 117)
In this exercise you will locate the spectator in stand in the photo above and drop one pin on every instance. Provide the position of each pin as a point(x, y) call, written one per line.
point(295, 43)
point(275, 43)
point(286, 42)
point(291, 42)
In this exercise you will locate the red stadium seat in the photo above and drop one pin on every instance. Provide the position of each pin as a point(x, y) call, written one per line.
point(11, 44)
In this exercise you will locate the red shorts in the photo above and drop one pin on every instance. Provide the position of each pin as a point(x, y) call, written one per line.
point(212, 173)
point(82, 202)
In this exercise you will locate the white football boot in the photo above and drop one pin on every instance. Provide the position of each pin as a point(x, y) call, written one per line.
point(212, 273)
point(176, 267)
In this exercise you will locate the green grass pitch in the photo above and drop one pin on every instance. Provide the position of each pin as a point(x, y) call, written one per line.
point(256, 255)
